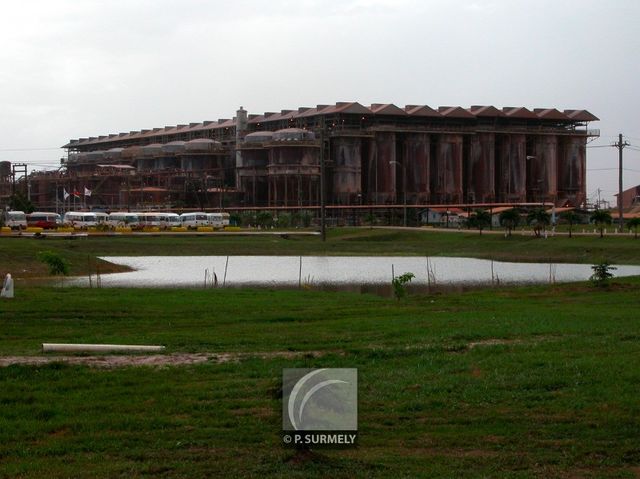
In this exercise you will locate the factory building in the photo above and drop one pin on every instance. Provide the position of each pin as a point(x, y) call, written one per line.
point(380, 154)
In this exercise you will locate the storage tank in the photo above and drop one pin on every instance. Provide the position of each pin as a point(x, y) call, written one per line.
point(5, 168)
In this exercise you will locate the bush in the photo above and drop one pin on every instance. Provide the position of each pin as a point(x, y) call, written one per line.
point(602, 274)
point(56, 263)
point(398, 283)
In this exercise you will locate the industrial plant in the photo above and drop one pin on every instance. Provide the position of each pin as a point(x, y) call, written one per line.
point(345, 155)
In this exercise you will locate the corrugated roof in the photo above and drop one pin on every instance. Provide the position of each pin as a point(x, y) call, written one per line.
point(581, 115)
point(519, 112)
point(550, 114)
point(422, 110)
point(454, 112)
point(485, 111)
point(386, 109)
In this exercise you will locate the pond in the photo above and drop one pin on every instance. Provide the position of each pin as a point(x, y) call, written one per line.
point(333, 271)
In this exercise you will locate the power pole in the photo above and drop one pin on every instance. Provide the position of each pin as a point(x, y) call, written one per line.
point(620, 145)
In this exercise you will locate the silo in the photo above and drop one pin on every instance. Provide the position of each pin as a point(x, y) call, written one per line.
point(252, 160)
point(572, 171)
point(446, 174)
point(511, 168)
point(542, 172)
point(479, 169)
point(346, 153)
point(5, 170)
point(381, 169)
point(294, 168)
point(416, 158)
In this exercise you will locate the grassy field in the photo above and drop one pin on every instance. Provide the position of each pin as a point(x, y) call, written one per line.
point(18, 255)
point(518, 382)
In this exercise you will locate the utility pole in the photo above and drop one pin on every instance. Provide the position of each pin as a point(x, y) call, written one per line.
point(620, 145)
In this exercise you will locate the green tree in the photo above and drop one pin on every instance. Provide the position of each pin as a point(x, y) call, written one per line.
point(58, 266)
point(571, 217)
point(602, 273)
point(633, 223)
point(601, 218)
point(480, 219)
point(509, 219)
point(20, 202)
point(398, 283)
point(539, 219)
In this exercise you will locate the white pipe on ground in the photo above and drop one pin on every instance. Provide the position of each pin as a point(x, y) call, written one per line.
point(99, 348)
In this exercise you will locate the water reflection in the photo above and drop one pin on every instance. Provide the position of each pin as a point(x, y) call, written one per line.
point(336, 272)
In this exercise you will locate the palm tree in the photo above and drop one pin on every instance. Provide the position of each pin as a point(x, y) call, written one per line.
point(480, 219)
point(570, 217)
point(634, 223)
point(509, 219)
point(539, 219)
point(601, 218)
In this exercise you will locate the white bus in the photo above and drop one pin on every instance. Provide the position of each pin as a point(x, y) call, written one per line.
point(44, 219)
point(218, 220)
point(168, 220)
point(123, 218)
point(193, 220)
point(16, 220)
point(79, 219)
point(101, 218)
point(150, 219)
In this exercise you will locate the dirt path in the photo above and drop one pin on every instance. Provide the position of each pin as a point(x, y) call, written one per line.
point(158, 360)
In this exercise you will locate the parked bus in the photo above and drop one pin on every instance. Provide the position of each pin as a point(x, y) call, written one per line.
point(193, 220)
point(101, 217)
point(218, 220)
point(79, 219)
point(16, 220)
point(120, 219)
point(43, 219)
point(150, 219)
point(168, 220)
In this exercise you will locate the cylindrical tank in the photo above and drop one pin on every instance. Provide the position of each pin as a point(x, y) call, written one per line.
point(446, 176)
point(259, 137)
point(542, 174)
point(173, 147)
point(5, 168)
point(415, 160)
point(511, 168)
point(479, 169)
point(293, 134)
point(572, 171)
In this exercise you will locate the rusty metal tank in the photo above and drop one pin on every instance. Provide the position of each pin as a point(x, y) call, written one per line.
point(572, 171)
point(5, 169)
point(479, 169)
point(446, 170)
point(381, 169)
point(346, 154)
point(542, 171)
point(511, 168)
point(416, 158)
point(294, 168)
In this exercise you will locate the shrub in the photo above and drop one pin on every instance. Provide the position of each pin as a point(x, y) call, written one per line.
point(56, 263)
point(398, 283)
point(602, 273)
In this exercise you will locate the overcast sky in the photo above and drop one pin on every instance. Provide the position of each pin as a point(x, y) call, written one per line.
point(79, 68)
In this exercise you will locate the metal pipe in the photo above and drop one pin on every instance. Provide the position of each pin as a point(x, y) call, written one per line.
point(102, 348)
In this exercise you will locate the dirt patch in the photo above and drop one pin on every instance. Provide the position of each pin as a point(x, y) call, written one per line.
point(156, 360)
point(493, 342)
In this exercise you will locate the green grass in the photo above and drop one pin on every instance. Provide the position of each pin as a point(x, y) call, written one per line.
point(18, 255)
point(551, 390)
